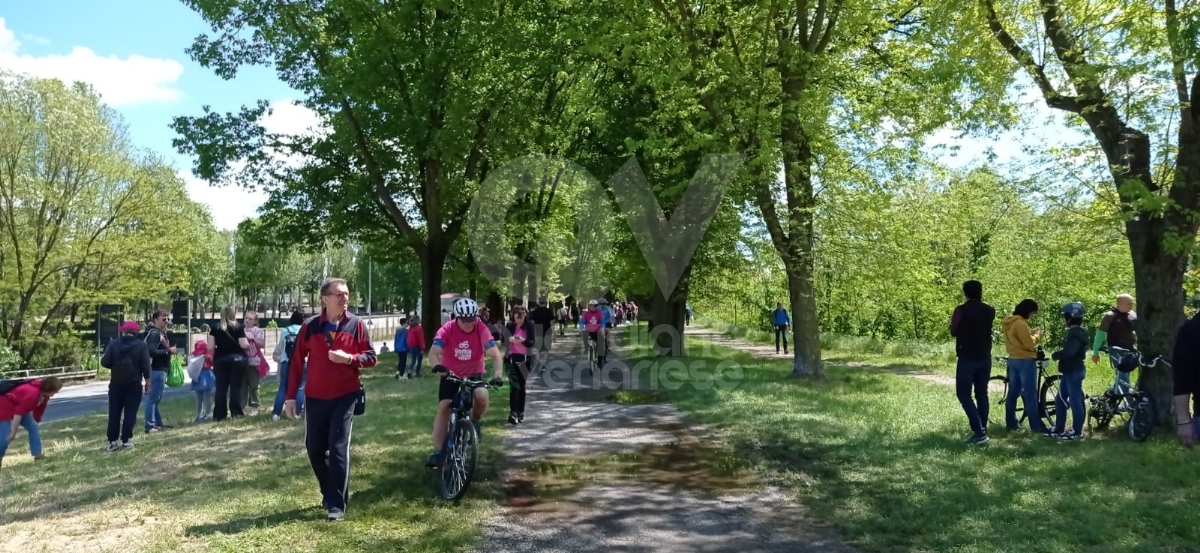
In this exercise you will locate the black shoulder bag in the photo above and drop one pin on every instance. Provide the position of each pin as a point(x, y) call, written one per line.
point(360, 403)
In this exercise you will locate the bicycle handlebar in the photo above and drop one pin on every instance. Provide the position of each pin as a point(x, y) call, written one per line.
point(1141, 359)
point(472, 382)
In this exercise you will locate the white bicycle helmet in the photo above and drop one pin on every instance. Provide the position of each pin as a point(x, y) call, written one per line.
point(465, 307)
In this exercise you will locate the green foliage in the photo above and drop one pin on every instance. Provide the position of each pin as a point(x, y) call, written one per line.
point(9, 359)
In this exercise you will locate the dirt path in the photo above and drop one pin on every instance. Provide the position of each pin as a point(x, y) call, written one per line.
point(762, 350)
point(584, 473)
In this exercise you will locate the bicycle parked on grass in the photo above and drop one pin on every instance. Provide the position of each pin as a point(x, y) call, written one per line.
point(460, 450)
point(1047, 385)
point(1124, 400)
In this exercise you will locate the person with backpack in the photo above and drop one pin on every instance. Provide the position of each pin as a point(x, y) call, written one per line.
point(29, 397)
point(283, 356)
point(204, 383)
point(128, 359)
point(336, 345)
point(401, 347)
point(415, 340)
point(161, 351)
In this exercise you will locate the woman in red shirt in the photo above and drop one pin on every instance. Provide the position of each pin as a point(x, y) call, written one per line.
point(29, 397)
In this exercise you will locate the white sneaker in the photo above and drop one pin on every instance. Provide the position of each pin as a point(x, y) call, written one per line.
point(274, 418)
point(128, 444)
point(113, 446)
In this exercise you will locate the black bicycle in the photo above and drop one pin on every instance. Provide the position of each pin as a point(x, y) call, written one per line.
point(1124, 400)
point(459, 452)
point(1047, 387)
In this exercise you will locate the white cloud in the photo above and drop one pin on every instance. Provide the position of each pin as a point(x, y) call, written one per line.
point(120, 81)
point(36, 39)
point(228, 205)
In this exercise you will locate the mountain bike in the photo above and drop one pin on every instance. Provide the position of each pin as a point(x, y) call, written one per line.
point(1123, 400)
point(1047, 386)
point(459, 453)
point(592, 344)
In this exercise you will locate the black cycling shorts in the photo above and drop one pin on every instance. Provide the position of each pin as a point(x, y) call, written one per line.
point(447, 388)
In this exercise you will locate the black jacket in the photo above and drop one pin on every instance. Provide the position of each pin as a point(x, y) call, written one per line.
point(160, 353)
point(129, 360)
point(542, 319)
point(972, 326)
point(1186, 358)
point(510, 330)
point(1075, 347)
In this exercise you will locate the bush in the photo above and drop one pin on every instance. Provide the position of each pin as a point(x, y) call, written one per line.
point(9, 359)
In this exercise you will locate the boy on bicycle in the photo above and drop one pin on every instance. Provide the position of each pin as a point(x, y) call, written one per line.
point(592, 322)
point(471, 341)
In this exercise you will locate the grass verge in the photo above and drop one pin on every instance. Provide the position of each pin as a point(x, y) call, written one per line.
point(243, 486)
point(882, 458)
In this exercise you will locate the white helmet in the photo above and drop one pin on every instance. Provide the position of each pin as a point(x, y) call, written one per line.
point(465, 307)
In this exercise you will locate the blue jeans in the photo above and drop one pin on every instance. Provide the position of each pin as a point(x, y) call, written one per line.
point(974, 373)
point(415, 357)
point(5, 428)
point(284, 369)
point(1070, 393)
point(401, 362)
point(1022, 383)
point(158, 383)
point(35, 435)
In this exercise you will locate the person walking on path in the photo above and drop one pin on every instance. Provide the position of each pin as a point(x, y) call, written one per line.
point(1021, 345)
point(520, 335)
point(288, 338)
point(28, 398)
point(781, 321)
point(161, 351)
point(543, 331)
point(400, 346)
point(1118, 327)
point(416, 346)
point(971, 326)
point(336, 345)
point(227, 345)
point(128, 359)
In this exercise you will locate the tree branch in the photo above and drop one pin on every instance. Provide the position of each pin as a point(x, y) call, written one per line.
point(1053, 98)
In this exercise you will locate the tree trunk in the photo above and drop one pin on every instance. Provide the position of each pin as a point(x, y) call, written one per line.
point(1159, 286)
point(520, 275)
point(533, 285)
point(433, 263)
point(667, 325)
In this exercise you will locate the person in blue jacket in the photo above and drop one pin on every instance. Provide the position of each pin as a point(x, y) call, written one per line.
point(781, 321)
point(400, 345)
point(607, 311)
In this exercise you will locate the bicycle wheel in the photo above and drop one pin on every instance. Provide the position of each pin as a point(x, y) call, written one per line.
point(1141, 419)
point(458, 461)
point(1100, 413)
point(1049, 393)
point(999, 383)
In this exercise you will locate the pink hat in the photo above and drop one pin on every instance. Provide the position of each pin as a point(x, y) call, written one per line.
point(130, 326)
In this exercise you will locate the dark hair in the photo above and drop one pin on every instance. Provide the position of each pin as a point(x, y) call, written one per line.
point(973, 289)
point(51, 385)
point(330, 282)
point(297, 317)
point(1026, 308)
point(162, 313)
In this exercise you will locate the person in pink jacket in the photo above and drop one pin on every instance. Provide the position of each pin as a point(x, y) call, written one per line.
point(24, 398)
point(416, 346)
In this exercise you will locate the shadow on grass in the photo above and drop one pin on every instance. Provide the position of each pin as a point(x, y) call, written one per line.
point(239, 525)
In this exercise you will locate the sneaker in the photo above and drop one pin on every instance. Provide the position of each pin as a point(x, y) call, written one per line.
point(512, 419)
point(128, 444)
point(335, 515)
point(520, 417)
point(153, 430)
point(253, 412)
point(435, 460)
point(1054, 434)
point(274, 418)
point(113, 446)
point(1070, 436)
point(39, 457)
point(165, 427)
point(978, 439)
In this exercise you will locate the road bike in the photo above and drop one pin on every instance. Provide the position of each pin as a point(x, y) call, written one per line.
point(1047, 386)
point(461, 447)
point(593, 343)
point(1124, 400)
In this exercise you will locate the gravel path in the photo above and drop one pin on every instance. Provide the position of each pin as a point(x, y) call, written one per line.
point(659, 498)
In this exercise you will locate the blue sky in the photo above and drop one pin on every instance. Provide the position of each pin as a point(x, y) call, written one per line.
point(133, 52)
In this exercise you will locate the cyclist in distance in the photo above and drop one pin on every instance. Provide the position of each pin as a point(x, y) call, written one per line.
point(592, 322)
point(469, 342)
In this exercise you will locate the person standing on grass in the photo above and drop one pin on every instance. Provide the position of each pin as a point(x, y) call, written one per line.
point(416, 346)
point(227, 345)
point(128, 360)
point(401, 348)
point(1070, 364)
point(255, 362)
point(161, 351)
point(1186, 376)
point(204, 384)
point(28, 398)
point(288, 338)
point(971, 326)
point(1021, 344)
point(1118, 327)
point(781, 320)
point(336, 345)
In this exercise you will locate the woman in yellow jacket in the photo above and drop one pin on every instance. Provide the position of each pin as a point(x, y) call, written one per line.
point(1021, 343)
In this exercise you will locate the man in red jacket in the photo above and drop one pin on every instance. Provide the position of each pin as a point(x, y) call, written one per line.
point(27, 397)
point(336, 345)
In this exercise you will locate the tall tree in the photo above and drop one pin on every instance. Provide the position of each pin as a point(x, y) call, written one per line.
point(1131, 77)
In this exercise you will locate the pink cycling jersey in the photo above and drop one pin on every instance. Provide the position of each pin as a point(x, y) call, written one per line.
point(463, 352)
point(592, 319)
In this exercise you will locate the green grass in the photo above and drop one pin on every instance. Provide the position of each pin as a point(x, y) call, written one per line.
point(882, 458)
point(243, 486)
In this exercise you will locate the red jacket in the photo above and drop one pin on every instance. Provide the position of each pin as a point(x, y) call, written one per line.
point(326, 379)
point(416, 338)
point(23, 399)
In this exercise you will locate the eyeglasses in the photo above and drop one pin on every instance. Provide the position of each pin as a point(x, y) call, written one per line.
point(338, 294)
